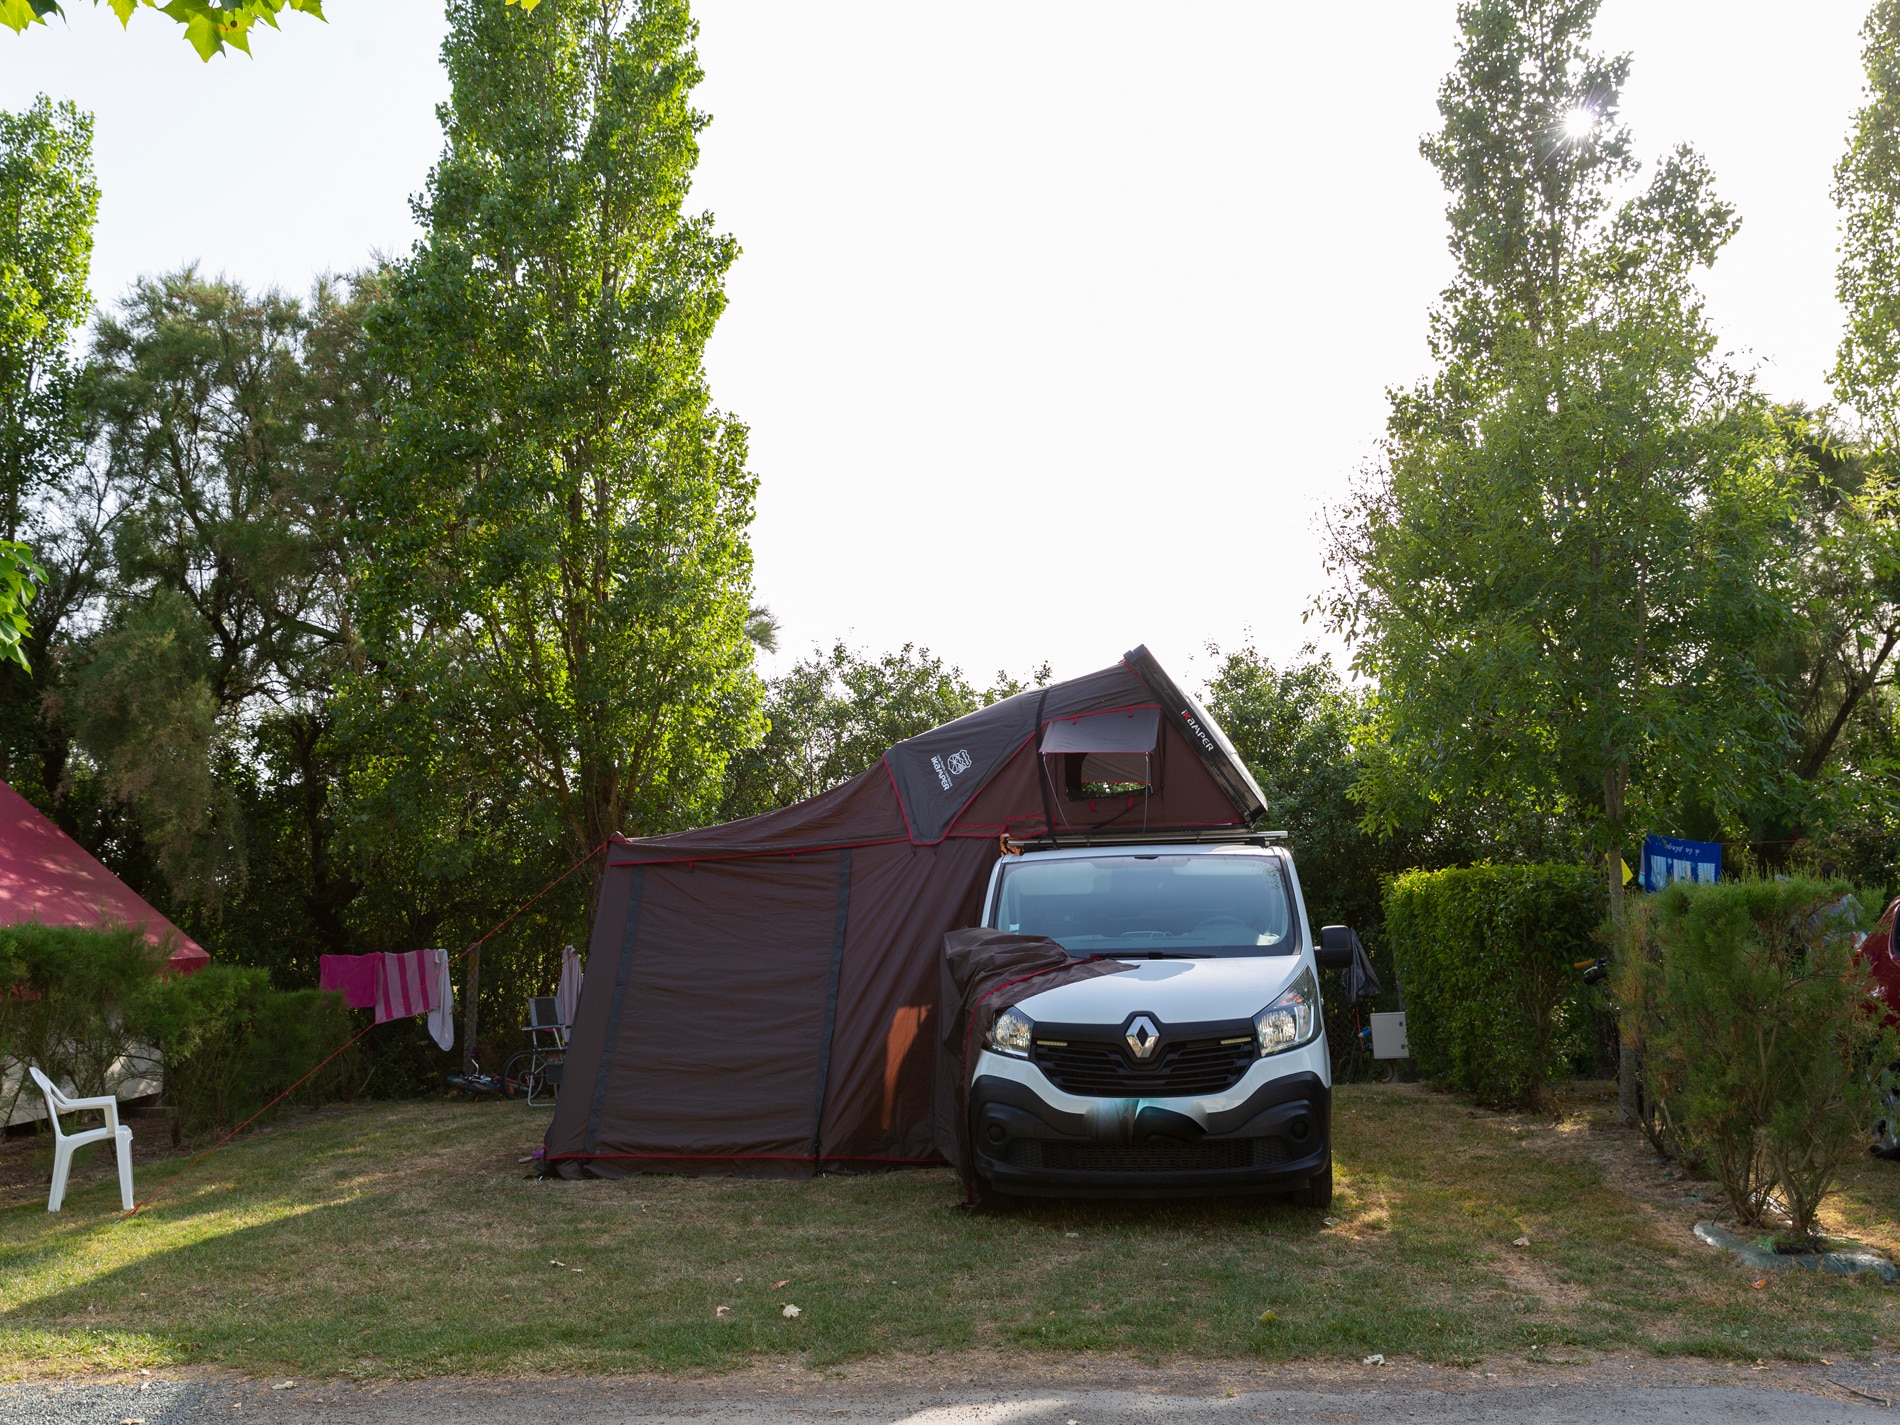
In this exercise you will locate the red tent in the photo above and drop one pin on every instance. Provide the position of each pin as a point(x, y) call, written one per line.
point(48, 877)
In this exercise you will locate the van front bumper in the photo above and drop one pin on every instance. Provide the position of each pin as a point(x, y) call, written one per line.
point(1273, 1139)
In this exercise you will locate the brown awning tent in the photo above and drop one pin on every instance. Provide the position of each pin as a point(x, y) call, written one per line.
point(758, 995)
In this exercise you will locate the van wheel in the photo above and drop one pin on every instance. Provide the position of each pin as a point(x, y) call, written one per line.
point(989, 1198)
point(1318, 1192)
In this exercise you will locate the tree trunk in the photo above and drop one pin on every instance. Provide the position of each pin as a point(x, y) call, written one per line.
point(472, 988)
point(1629, 1085)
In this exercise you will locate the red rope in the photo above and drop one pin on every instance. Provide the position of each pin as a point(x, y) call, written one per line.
point(349, 1043)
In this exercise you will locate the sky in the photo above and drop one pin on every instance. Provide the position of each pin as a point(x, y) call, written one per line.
point(1058, 326)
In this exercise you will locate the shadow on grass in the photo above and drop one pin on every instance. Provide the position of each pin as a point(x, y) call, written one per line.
point(405, 1239)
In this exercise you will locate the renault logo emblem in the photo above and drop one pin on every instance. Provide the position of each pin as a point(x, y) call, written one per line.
point(1142, 1036)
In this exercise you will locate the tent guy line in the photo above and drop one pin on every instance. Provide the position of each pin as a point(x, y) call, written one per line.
point(472, 947)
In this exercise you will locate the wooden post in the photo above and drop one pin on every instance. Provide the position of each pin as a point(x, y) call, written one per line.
point(471, 989)
point(1629, 1071)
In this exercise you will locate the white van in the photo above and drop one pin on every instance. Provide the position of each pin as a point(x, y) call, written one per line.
point(1201, 1069)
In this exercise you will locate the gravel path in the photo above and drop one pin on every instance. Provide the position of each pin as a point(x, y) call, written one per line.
point(194, 1402)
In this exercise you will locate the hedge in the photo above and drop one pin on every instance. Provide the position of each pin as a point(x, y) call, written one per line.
point(64, 993)
point(90, 1006)
point(1486, 959)
point(230, 1043)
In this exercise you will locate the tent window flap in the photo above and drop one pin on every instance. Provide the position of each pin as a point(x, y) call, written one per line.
point(1129, 731)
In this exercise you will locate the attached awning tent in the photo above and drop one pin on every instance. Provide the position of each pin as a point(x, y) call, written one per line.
point(758, 995)
point(48, 877)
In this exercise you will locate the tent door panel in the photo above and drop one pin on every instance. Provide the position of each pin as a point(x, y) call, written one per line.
point(719, 1045)
point(623, 970)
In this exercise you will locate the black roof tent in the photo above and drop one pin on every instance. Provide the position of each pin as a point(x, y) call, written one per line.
point(1203, 734)
point(938, 773)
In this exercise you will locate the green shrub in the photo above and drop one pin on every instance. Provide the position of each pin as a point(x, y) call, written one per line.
point(230, 1043)
point(1486, 959)
point(13, 1003)
point(199, 1024)
point(1760, 1052)
point(292, 1033)
point(64, 1009)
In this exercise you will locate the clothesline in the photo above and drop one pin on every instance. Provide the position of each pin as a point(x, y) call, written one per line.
point(473, 946)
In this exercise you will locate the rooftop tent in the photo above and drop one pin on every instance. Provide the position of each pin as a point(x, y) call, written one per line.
point(48, 877)
point(758, 994)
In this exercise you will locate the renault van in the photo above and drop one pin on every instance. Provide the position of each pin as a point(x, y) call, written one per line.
point(1200, 1069)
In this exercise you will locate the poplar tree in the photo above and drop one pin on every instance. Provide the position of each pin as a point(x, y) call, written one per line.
point(1867, 190)
point(1560, 573)
point(556, 588)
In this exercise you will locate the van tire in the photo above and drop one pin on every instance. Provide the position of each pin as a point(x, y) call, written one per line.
point(1318, 1192)
point(989, 1198)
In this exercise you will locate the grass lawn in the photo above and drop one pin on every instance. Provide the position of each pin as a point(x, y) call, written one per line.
point(405, 1239)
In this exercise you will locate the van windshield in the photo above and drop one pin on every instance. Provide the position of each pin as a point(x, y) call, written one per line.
point(1151, 904)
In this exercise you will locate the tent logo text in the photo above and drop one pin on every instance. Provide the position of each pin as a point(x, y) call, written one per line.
point(959, 762)
point(1200, 735)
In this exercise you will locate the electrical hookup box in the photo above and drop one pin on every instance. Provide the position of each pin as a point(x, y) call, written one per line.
point(1388, 1036)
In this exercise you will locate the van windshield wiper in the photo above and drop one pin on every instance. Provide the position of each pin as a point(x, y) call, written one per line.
point(1158, 954)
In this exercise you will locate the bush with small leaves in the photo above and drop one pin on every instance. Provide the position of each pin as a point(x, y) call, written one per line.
point(1760, 1046)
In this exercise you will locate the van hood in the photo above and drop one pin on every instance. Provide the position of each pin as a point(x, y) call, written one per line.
point(1173, 991)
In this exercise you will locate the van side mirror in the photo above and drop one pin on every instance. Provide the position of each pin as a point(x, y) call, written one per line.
point(1337, 944)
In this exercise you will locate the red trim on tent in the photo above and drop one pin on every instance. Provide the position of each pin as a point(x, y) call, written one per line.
point(791, 851)
point(987, 830)
point(910, 832)
point(46, 876)
point(1104, 712)
point(734, 1158)
point(974, 831)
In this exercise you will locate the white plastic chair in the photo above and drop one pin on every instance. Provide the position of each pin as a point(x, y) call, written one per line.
point(64, 1143)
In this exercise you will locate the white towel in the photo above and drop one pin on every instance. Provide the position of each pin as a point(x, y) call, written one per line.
point(567, 999)
point(442, 1013)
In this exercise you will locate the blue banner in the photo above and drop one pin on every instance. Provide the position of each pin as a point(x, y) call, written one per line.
point(1670, 858)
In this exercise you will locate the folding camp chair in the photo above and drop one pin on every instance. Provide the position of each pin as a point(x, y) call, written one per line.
point(537, 1069)
point(65, 1144)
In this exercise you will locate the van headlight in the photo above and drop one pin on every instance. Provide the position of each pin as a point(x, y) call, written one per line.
point(1010, 1034)
point(1292, 1019)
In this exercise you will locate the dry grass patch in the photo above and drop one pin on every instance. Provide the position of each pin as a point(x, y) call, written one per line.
point(406, 1239)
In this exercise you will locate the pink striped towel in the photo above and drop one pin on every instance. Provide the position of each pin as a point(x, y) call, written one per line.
point(406, 986)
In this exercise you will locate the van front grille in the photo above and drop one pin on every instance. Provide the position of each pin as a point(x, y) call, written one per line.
point(1185, 1068)
point(1159, 1155)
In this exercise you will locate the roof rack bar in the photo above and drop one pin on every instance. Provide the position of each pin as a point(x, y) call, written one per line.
point(1217, 835)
